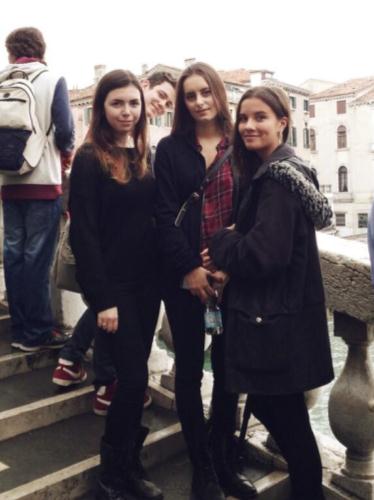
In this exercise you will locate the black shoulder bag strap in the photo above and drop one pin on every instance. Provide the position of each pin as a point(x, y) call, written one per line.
point(196, 195)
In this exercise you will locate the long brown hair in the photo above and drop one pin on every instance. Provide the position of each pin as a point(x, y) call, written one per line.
point(183, 122)
point(100, 133)
point(277, 100)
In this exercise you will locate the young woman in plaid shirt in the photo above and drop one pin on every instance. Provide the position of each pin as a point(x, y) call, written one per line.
point(200, 136)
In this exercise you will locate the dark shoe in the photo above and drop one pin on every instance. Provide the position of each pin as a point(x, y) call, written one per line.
point(142, 487)
point(106, 492)
point(111, 484)
point(235, 484)
point(205, 484)
point(136, 479)
point(56, 340)
point(227, 469)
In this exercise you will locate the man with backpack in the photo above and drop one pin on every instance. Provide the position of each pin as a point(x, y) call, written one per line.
point(36, 142)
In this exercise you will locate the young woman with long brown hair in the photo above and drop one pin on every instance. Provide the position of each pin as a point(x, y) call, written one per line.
point(277, 343)
point(112, 236)
point(199, 138)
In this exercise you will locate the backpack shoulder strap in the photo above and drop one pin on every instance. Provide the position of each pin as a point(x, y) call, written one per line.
point(36, 74)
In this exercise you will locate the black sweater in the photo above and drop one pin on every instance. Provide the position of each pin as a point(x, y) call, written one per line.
point(180, 170)
point(112, 231)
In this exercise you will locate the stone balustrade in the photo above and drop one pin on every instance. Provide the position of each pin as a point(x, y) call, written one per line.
point(349, 294)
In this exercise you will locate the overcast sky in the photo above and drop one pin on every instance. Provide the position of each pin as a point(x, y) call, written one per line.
point(294, 38)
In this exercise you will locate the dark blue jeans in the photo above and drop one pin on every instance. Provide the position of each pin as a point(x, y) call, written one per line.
point(30, 234)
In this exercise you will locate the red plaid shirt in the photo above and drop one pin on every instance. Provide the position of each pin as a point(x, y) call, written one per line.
point(217, 198)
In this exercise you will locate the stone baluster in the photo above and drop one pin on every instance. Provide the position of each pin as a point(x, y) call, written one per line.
point(351, 408)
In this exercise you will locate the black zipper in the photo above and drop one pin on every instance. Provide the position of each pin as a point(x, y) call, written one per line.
point(13, 99)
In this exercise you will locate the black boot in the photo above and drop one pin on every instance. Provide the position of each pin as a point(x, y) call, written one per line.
point(205, 484)
point(136, 478)
point(111, 485)
point(231, 480)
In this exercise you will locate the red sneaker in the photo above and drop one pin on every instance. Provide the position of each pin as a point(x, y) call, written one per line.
point(103, 398)
point(68, 373)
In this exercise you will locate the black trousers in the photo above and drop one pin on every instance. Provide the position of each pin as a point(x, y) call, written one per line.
point(129, 348)
point(186, 318)
point(286, 418)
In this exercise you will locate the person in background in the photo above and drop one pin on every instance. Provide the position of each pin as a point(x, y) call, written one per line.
point(277, 343)
point(112, 235)
point(199, 138)
point(32, 202)
point(159, 96)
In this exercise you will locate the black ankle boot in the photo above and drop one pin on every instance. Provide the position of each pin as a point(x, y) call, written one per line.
point(205, 484)
point(111, 485)
point(231, 480)
point(136, 478)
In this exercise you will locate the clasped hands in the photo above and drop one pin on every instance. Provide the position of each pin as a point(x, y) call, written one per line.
point(206, 281)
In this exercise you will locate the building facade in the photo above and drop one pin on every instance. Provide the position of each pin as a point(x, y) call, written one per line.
point(299, 103)
point(341, 138)
point(160, 126)
point(236, 83)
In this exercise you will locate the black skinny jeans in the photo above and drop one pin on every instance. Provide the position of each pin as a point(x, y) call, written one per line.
point(129, 348)
point(186, 318)
point(286, 418)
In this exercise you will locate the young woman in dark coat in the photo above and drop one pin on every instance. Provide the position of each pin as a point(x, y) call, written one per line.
point(277, 342)
point(112, 235)
point(199, 137)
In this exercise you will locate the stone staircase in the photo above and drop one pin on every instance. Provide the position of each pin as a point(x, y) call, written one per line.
point(49, 436)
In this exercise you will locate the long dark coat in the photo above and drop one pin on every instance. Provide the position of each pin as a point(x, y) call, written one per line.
point(276, 332)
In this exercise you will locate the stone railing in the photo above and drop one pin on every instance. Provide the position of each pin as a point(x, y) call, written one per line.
point(349, 293)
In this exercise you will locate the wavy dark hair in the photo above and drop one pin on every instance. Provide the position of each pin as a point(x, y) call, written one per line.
point(100, 133)
point(160, 77)
point(26, 42)
point(278, 101)
point(183, 122)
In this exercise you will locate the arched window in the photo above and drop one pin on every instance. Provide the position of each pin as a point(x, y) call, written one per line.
point(312, 139)
point(342, 137)
point(343, 179)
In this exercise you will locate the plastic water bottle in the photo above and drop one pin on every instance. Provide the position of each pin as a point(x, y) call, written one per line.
point(213, 317)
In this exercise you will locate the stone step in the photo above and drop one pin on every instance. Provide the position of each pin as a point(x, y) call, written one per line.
point(13, 361)
point(60, 461)
point(174, 478)
point(30, 401)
